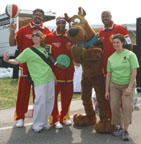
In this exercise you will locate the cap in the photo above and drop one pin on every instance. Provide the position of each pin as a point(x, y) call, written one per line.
point(60, 19)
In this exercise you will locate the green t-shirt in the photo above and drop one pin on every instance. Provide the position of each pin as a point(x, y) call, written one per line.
point(120, 66)
point(40, 71)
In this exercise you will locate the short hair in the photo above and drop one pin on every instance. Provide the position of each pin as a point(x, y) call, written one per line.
point(40, 10)
point(120, 37)
point(108, 12)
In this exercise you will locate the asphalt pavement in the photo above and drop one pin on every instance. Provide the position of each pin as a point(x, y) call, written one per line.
point(9, 134)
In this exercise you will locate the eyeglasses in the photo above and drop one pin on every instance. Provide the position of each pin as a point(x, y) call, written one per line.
point(35, 35)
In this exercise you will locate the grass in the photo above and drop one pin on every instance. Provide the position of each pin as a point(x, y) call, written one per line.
point(8, 93)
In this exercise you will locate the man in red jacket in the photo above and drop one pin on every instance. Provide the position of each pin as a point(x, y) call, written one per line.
point(110, 28)
point(58, 43)
point(23, 40)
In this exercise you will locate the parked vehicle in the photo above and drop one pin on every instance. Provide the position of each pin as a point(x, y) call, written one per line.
point(24, 18)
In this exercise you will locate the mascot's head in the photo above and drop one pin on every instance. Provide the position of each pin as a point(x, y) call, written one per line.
point(79, 29)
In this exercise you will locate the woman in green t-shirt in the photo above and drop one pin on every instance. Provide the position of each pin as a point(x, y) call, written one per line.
point(42, 77)
point(120, 83)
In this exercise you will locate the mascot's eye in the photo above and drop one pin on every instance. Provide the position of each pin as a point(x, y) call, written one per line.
point(71, 23)
point(77, 20)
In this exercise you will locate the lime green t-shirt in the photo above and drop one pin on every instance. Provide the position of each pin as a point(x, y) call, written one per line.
point(40, 71)
point(120, 66)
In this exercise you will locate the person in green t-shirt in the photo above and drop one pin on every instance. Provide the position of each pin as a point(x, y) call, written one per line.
point(120, 83)
point(42, 77)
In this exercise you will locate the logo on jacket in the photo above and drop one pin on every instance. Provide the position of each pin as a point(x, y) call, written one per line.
point(124, 59)
point(29, 36)
point(57, 44)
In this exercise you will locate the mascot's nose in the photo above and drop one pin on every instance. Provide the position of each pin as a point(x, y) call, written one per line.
point(73, 31)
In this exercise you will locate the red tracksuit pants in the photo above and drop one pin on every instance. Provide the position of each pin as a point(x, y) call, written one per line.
point(66, 91)
point(23, 95)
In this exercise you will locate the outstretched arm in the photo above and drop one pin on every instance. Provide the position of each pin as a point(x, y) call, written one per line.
point(12, 34)
point(11, 61)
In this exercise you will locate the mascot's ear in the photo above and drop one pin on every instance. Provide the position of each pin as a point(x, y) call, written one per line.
point(67, 18)
point(81, 11)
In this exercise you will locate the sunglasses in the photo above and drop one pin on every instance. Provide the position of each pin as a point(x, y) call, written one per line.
point(35, 35)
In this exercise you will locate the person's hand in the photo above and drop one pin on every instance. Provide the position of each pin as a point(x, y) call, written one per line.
point(60, 66)
point(68, 45)
point(128, 91)
point(6, 57)
point(13, 26)
point(107, 96)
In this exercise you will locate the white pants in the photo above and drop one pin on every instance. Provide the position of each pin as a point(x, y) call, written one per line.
point(77, 79)
point(43, 104)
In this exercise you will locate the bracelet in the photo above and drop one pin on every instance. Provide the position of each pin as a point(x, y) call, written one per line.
point(55, 63)
point(129, 88)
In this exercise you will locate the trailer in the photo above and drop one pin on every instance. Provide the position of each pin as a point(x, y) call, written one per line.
point(22, 19)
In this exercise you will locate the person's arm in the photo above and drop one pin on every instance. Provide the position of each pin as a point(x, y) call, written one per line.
point(12, 34)
point(11, 61)
point(59, 66)
point(122, 30)
point(129, 47)
point(99, 43)
point(132, 80)
point(108, 78)
point(48, 42)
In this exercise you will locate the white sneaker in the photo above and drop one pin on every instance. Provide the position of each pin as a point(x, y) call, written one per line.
point(58, 125)
point(20, 123)
point(68, 122)
point(38, 130)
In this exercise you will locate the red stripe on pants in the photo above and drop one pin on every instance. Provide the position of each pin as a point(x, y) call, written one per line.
point(23, 97)
point(66, 90)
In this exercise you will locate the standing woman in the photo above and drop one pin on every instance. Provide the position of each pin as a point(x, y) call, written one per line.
point(120, 81)
point(42, 77)
point(23, 39)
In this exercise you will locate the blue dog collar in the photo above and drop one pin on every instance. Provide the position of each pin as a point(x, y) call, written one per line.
point(89, 43)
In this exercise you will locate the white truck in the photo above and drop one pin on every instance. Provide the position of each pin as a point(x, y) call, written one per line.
point(24, 18)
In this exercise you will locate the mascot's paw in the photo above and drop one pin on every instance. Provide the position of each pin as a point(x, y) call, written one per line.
point(83, 120)
point(104, 127)
point(76, 50)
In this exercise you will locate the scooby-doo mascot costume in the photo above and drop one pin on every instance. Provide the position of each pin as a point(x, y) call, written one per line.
point(86, 52)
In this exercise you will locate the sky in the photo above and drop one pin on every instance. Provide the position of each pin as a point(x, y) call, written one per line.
point(123, 11)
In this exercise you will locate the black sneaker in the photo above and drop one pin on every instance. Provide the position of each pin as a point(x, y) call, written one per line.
point(125, 135)
point(118, 132)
